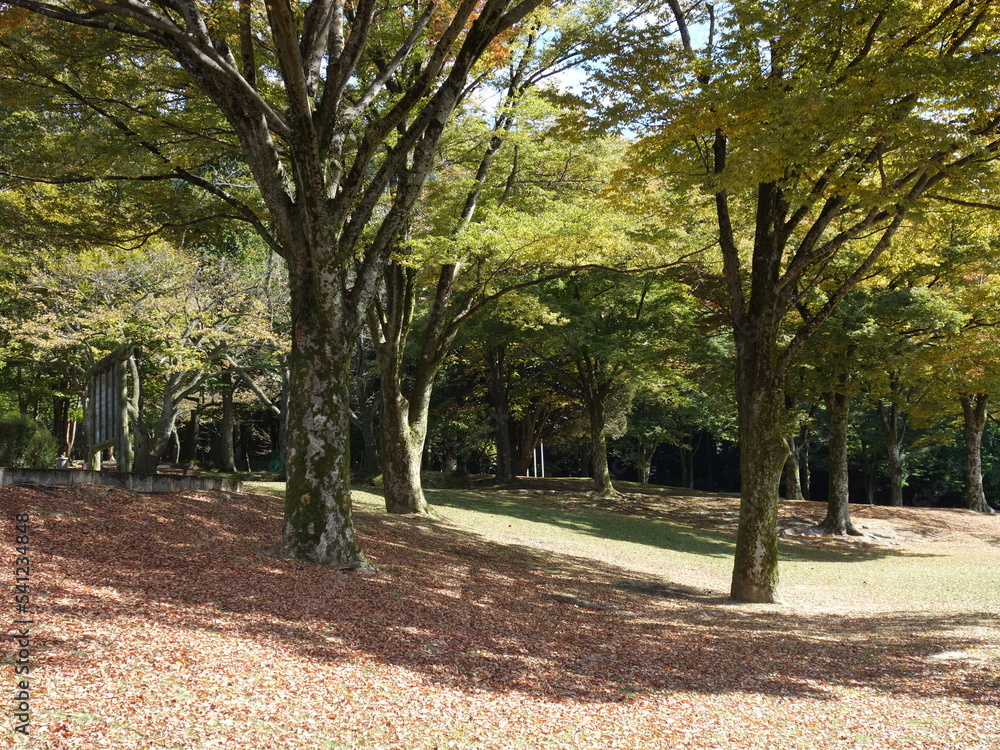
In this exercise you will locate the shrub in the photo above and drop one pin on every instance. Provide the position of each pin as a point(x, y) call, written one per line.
point(25, 444)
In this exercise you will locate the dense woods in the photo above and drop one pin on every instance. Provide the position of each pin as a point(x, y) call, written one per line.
point(743, 247)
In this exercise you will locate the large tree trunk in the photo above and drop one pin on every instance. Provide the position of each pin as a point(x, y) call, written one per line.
point(974, 410)
point(762, 457)
point(760, 403)
point(318, 524)
point(838, 513)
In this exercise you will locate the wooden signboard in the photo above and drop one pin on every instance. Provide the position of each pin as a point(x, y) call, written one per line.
point(106, 416)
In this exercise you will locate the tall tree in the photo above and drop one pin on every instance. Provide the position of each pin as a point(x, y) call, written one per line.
point(338, 160)
point(817, 129)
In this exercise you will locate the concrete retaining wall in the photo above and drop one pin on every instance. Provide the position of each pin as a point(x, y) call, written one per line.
point(135, 482)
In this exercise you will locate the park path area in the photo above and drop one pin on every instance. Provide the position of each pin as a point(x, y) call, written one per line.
point(164, 621)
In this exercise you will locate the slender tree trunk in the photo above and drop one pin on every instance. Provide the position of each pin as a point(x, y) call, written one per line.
point(70, 440)
point(505, 451)
point(646, 453)
point(791, 472)
point(403, 427)
point(974, 410)
point(283, 416)
point(60, 423)
point(838, 513)
point(496, 383)
point(805, 475)
point(687, 463)
point(683, 454)
point(896, 474)
point(869, 469)
point(366, 400)
point(192, 435)
point(526, 450)
point(227, 459)
point(22, 401)
point(368, 423)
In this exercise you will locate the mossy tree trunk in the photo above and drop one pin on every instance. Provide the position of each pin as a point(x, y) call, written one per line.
point(403, 433)
point(318, 523)
point(974, 412)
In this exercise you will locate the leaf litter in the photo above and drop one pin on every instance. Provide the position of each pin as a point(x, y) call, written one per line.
point(163, 621)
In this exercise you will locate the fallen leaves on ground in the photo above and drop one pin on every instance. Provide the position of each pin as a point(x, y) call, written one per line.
point(165, 621)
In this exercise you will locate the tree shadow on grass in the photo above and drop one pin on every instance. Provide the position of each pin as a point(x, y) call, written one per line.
point(647, 527)
point(464, 612)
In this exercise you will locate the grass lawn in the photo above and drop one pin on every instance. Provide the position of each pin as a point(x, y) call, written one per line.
point(530, 617)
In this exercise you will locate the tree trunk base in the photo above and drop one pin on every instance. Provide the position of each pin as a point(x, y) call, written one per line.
point(287, 549)
point(838, 527)
point(609, 494)
point(406, 510)
point(751, 594)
